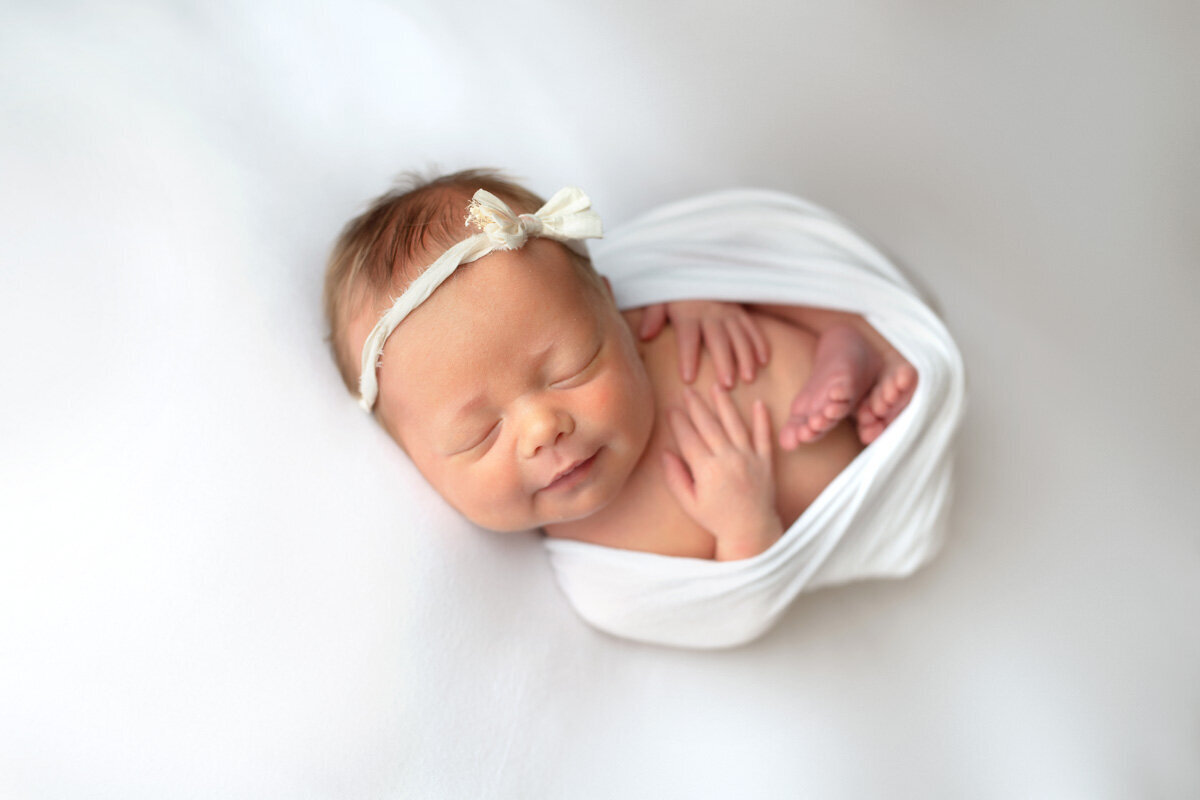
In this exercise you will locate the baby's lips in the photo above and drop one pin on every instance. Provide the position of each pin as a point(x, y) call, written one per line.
point(568, 470)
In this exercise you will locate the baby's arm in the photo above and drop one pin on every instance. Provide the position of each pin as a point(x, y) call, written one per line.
point(723, 477)
point(728, 331)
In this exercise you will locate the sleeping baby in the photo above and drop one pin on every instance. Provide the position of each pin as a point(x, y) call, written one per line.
point(466, 314)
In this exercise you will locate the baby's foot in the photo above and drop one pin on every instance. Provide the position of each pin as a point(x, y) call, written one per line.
point(844, 367)
point(886, 400)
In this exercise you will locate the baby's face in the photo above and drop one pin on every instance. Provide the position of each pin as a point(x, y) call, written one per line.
point(517, 390)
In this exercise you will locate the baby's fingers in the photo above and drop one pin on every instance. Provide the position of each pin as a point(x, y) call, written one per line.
point(716, 339)
point(762, 347)
point(743, 349)
point(731, 419)
point(679, 480)
point(653, 320)
point(691, 445)
point(705, 422)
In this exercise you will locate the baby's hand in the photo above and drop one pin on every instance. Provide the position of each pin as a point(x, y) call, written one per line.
point(725, 480)
point(728, 331)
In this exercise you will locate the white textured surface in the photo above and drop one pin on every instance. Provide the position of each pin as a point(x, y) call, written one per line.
point(217, 586)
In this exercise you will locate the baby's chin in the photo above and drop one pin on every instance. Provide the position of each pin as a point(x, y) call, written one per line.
point(537, 521)
point(569, 509)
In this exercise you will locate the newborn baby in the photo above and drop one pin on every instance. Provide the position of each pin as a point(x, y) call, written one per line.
point(528, 400)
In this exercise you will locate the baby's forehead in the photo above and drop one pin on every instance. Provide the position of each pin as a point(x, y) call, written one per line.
point(464, 346)
point(500, 327)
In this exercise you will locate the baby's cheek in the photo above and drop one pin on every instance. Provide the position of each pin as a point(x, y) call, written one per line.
point(615, 404)
point(606, 393)
point(488, 497)
point(610, 399)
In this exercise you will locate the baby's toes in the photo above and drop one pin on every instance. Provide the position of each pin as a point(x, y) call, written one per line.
point(870, 432)
point(802, 406)
point(885, 402)
point(898, 389)
point(865, 415)
point(816, 427)
point(797, 420)
point(836, 403)
point(831, 416)
point(878, 402)
point(806, 435)
point(836, 409)
point(790, 433)
point(868, 423)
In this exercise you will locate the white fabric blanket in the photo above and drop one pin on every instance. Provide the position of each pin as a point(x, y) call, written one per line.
point(883, 516)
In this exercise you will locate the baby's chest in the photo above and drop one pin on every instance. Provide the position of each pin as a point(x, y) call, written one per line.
point(645, 516)
point(800, 474)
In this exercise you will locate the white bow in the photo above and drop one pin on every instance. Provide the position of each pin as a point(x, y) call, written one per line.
point(566, 217)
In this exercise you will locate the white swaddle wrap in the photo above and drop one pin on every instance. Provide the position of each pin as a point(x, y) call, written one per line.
point(883, 516)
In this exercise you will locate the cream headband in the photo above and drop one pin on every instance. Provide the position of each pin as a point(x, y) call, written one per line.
point(566, 217)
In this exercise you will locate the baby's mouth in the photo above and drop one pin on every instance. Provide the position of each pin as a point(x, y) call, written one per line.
point(572, 475)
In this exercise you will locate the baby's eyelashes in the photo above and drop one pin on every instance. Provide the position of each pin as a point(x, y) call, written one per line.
point(478, 441)
point(580, 375)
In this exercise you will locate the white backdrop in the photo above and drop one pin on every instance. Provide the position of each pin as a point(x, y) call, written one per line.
point(219, 579)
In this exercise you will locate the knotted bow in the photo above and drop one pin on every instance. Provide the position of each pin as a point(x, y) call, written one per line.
point(566, 217)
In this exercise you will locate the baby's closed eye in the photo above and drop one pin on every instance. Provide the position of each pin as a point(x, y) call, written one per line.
point(481, 438)
point(581, 373)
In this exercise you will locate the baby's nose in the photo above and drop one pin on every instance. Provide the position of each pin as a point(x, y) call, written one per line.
point(544, 427)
